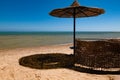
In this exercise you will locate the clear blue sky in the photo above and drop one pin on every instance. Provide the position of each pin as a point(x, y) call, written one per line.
point(33, 15)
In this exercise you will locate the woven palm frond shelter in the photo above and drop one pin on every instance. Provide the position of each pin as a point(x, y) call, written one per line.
point(99, 55)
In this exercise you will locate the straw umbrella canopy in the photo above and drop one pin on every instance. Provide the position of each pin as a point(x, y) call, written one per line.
point(76, 11)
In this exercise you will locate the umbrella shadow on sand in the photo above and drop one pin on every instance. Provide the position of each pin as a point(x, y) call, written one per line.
point(56, 61)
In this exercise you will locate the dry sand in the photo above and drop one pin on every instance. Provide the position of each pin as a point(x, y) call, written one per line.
point(11, 70)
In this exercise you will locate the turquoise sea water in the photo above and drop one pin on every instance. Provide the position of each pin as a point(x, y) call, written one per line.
point(32, 39)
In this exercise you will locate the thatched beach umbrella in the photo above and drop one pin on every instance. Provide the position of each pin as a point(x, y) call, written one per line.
point(76, 11)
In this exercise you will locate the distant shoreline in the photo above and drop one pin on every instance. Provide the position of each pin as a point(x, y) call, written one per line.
point(38, 32)
point(6, 49)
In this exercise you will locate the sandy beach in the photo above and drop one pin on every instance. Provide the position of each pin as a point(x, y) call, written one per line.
point(11, 70)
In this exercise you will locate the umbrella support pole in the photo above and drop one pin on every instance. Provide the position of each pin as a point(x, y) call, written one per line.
point(74, 36)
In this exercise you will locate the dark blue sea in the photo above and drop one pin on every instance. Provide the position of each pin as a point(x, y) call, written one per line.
point(33, 39)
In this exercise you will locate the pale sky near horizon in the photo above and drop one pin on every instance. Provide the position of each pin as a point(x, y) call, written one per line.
point(33, 15)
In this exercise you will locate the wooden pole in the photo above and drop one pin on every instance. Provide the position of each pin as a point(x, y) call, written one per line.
point(74, 22)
